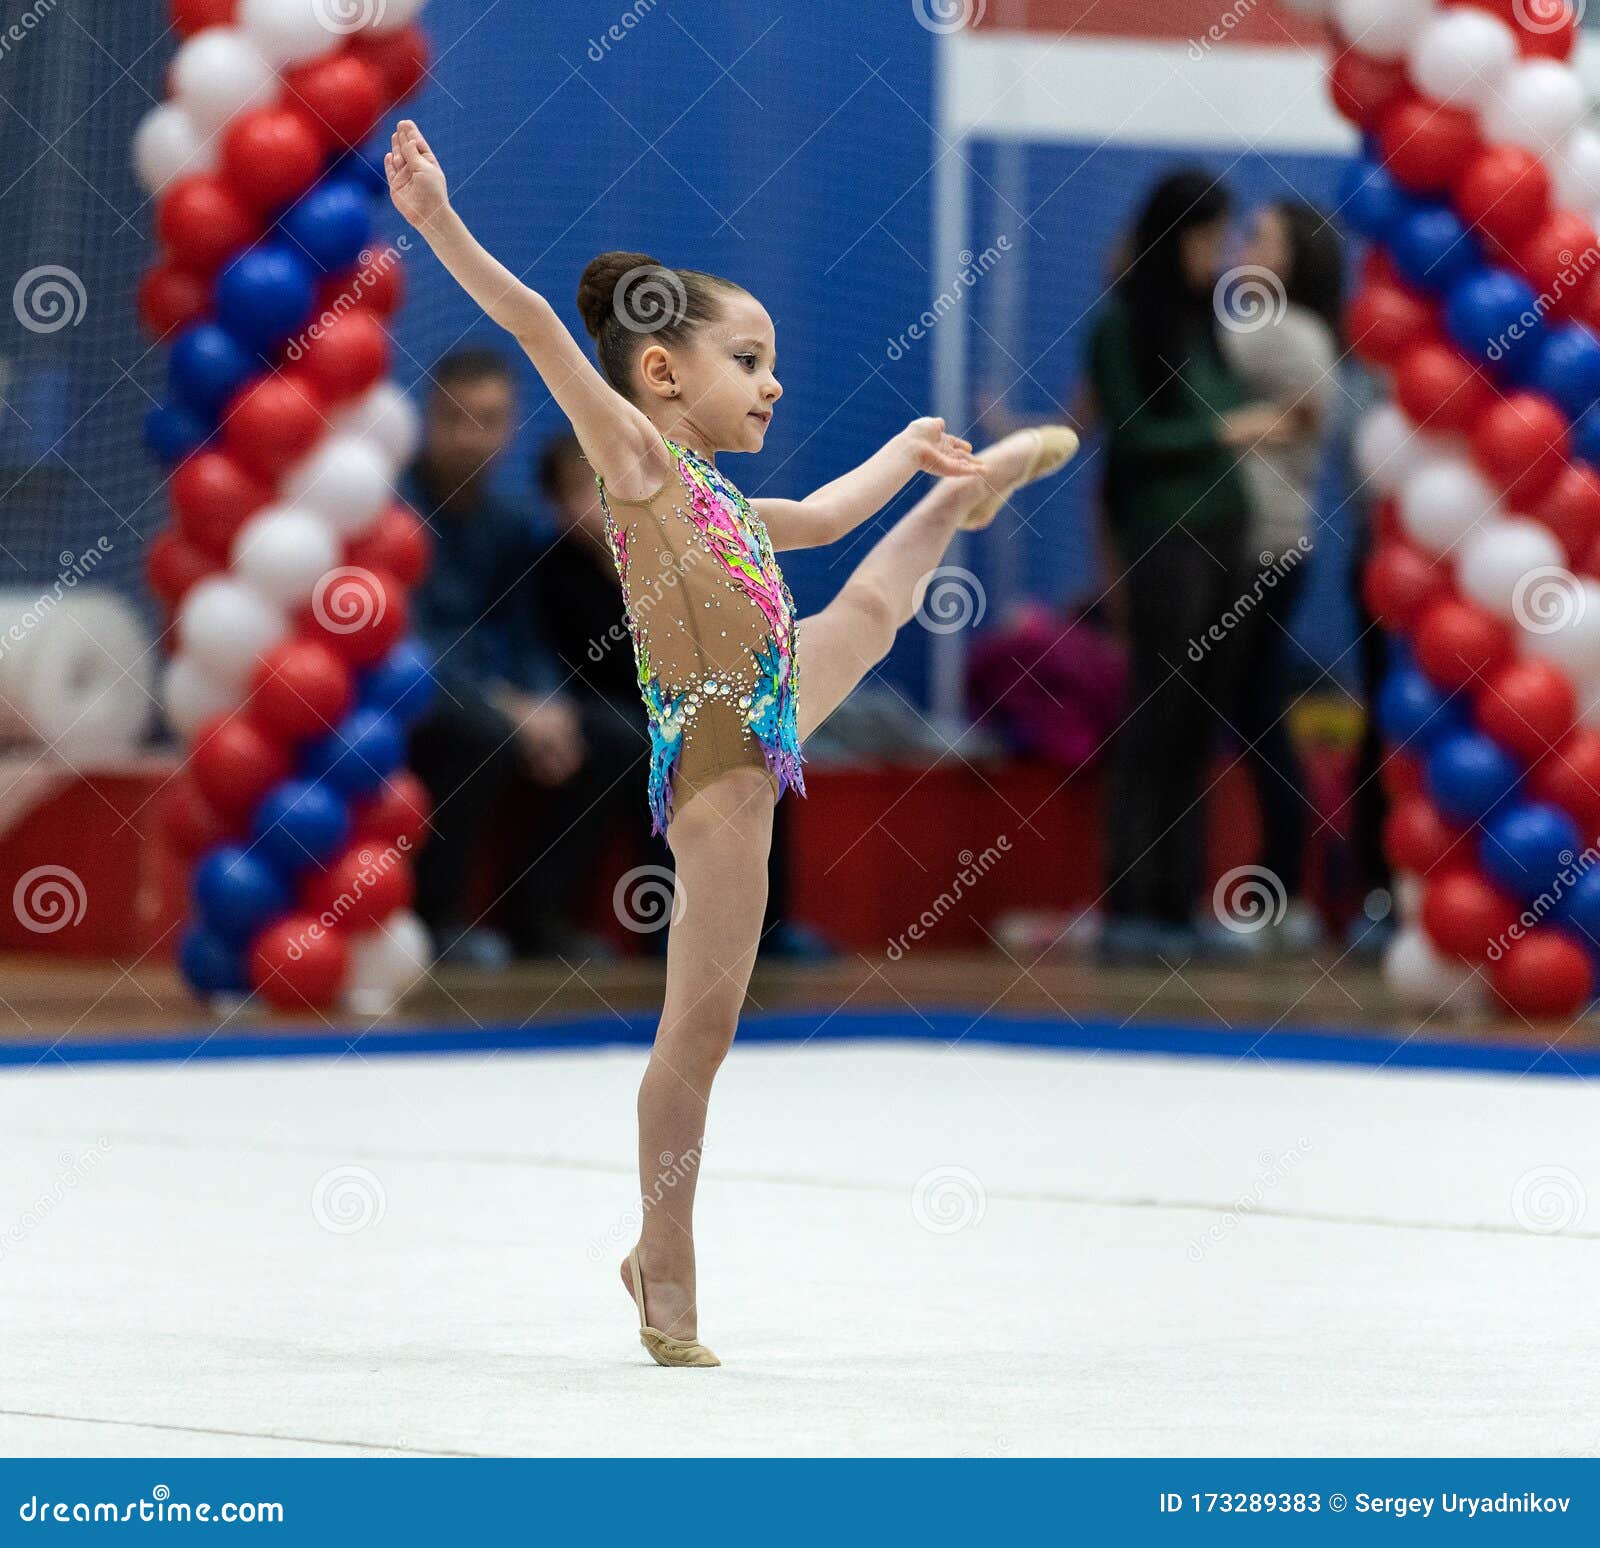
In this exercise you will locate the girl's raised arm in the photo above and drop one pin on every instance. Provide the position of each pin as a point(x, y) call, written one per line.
point(619, 441)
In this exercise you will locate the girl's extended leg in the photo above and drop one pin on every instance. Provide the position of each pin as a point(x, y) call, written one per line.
point(719, 838)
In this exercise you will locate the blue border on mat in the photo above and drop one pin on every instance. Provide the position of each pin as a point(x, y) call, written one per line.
point(938, 1026)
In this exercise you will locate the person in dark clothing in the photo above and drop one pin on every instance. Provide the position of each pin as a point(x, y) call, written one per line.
point(503, 717)
point(1176, 421)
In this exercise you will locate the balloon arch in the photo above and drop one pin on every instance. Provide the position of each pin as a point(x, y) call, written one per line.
point(1477, 189)
point(286, 566)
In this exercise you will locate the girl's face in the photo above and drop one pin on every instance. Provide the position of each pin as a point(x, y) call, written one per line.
point(725, 376)
point(1201, 247)
point(1268, 247)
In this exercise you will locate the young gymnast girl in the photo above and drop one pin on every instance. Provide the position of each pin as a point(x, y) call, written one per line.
point(732, 682)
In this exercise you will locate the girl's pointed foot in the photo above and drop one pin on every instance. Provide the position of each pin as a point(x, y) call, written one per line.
point(1020, 458)
point(664, 1348)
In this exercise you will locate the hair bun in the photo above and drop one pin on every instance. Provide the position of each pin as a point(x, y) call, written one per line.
point(598, 287)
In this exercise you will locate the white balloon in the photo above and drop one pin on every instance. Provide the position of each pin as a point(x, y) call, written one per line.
point(220, 73)
point(345, 481)
point(1388, 447)
point(1408, 890)
point(167, 146)
point(229, 626)
point(1560, 617)
point(1502, 560)
point(1442, 500)
point(388, 419)
point(385, 963)
point(1462, 55)
point(392, 15)
point(192, 696)
point(1537, 106)
point(288, 31)
point(283, 553)
point(1424, 979)
point(1576, 166)
point(1382, 28)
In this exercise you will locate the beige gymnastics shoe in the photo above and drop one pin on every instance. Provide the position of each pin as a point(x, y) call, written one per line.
point(664, 1348)
point(1057, 446)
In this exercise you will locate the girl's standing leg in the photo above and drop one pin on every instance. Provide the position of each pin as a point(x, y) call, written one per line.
point(719, 839)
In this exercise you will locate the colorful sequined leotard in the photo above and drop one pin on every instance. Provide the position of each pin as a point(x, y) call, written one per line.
point(713, 631)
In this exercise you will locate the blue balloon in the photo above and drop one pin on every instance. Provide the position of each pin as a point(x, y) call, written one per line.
point(1586, 437)
point(1492, 315)
point(1371, 203)
point(402, 683)
point(1524, 845)
point(237, 892)
point(266, 294)
point(364, 167)
point(1410, 709)
point(1432, 247)
point(1580, 908)
point(171, 432)
point(331, 224)
point(1567, 367)
point(1469, 775)
point(211, 965)
point(357, 757)
point(208, 366)
point(300, 824)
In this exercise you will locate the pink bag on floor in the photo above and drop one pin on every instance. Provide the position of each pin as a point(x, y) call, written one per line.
point(1052, 685)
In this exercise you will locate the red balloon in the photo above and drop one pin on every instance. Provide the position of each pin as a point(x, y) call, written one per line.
point(1543, 973)
point(271, 155)
point(1465, 915)
point(235, 763)
point(1439, 387)
point(1426, 146)
point(398, 814)
point(202, 222)
point(300, 688)
point(1521, 442)
point(1401, 775)
point(402, 58)
point(343, 93)
point(170, 297)
point(1384, 319)
point(1386, 525)
point(192, 16)
point(345, 356)
point(1459, 643)
point(299, 962)
point(189, 822)
point(1400, 582)
point(396, 543)
point(213, 496)
point(362, 886)
point(1417, 839)
point(1528, 706)
point(173, 565)
point(357, 613)
point(1505, 191)
point(1570, 778)
point(1570, 508)
point(1558, 259)
point(378, 286)
point(1362, 87)
point(274, 422)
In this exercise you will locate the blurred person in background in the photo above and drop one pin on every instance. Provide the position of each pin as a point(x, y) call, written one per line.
point(1283, 341)
point(1176, 419)
point(502, 719)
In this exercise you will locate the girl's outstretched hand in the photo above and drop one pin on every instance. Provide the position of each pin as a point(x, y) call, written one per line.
point(416, 180)
point(933, 451)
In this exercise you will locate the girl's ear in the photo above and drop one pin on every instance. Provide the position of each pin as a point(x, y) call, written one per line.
point(655, 364)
